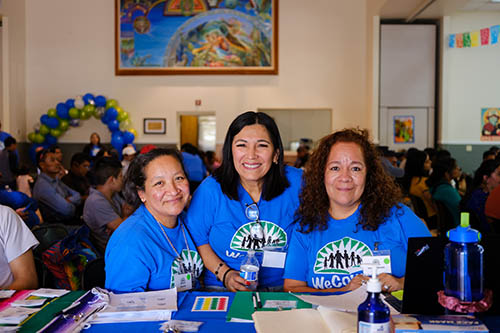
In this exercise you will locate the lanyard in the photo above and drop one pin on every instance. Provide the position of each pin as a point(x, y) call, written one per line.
point(179, 258)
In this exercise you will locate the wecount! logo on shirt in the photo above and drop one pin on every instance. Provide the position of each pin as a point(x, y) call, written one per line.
point(342, 256)
point(186, 265)
point(274, 236)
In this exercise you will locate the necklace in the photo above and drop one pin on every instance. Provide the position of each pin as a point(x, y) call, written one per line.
point(179, 258)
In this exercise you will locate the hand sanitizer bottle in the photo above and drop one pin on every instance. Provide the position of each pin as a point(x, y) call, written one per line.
point(373, 314)
point(249, 270)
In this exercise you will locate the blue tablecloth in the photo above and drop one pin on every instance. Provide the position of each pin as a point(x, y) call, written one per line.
point(212, 321)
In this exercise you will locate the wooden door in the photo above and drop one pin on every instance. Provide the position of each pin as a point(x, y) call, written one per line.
point(189, 130)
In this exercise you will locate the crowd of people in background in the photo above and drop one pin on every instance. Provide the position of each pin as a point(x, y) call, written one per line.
point(190, 199)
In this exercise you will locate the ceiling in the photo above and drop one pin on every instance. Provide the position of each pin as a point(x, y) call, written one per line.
point(432, 9)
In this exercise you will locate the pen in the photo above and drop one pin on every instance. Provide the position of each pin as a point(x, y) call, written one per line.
point(259, 303)
point(254, 302)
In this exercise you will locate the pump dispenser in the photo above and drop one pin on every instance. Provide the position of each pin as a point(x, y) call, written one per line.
point(373, 314)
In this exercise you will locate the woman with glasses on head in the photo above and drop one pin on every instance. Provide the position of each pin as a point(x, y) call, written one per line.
point(350, 208)
point(248, 204)
point(152, 249)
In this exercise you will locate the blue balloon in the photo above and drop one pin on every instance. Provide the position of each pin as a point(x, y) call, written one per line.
point(128, 137)
point(88, 98)
point(70, 103)
point(111, 114)
point(114, 125)
point(104, 119)
point(62, 111)
point(50, 140)
point(53, 122)
point(44, 119)
point(100, 100)
point(117, 140)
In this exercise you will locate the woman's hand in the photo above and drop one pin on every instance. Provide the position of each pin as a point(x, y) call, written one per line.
point(356, 282)
point(234, 282)
point(390, 283)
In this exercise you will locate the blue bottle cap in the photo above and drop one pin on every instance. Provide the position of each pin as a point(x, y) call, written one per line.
point(464, 233)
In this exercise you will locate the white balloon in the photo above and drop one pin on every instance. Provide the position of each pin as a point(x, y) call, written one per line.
point(79, 103)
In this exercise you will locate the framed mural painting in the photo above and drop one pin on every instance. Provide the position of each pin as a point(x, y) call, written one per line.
point(404, 129)
point(171, 37)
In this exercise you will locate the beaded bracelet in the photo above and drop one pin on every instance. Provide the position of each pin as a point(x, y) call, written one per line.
point(224, 276)
point(217, 270)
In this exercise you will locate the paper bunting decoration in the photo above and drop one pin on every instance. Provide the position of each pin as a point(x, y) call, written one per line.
point(460, 42)
point(494, 34)
point(486, 36)
point(474, 39)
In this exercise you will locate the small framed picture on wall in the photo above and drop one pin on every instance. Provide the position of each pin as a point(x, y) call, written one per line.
point(155, 125)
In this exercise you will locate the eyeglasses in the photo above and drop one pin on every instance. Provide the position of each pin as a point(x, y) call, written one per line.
point(252, 213)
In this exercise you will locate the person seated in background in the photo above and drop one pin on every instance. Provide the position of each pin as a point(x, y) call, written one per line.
point(445, 169)
point(152, 249)
point(58, 202)
point(17, 266)
point(390, 162)
point(349, 208)
point(94, 146)
point(59, 156)
point(128, 153)
point(486, 179)
point(104, 209)
point(25, 206)
point(489, 155)
point(302, 157)
point(77, 175)
point(211, 161)
point(3, 136)
point(417, 168)
point(193, 163)
point(9, 164)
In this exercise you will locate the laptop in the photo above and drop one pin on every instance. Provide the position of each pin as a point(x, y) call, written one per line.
point(424, 274)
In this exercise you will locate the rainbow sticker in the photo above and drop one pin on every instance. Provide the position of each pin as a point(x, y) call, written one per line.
point(210, 303)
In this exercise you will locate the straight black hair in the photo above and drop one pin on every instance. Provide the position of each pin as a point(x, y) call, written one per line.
point(135, 177)
point(106, 167)
point(79, 158)
point(275, 181)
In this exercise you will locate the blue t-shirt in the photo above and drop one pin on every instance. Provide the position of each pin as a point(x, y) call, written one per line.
point(331, 258)
point(213, 218)
point(195, 168)
point(139, 257)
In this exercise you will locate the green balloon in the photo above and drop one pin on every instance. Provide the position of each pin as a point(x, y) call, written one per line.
point(84, 114)
point(44, 129)
point(39, 138)
point(74, 113)
point(125, 125)
point(55, 132)
point(89, 108)
point(111, 103)
point(63, 125)
point(122, 116)
point(52, 113)
point(31, 136)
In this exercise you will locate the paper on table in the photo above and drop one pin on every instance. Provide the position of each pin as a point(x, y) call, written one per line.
point(348, 302)
point(298, 320)
point(15, 315)
point(142, 306)
point(29, 302)
point(47, 292)
point(6, 293)
point(338, 321)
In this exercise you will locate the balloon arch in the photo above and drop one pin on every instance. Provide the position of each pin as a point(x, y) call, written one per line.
point(68, 114)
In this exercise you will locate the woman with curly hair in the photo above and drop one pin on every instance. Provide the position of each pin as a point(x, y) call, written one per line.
point(349, 208)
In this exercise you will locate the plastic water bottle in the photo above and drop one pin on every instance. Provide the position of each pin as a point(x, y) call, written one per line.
point(373, 314)
point(463, 266)
point(249, 270)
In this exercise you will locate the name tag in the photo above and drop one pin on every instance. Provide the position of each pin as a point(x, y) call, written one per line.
point(183, 282)
point(382, 259)
point(274, 259)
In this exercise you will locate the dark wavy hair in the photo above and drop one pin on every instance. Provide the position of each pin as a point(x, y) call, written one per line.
point(440, 166)
point(275, 181)
point(414, 167)
point(135, 177)
point(380, 193)
point(485, 169)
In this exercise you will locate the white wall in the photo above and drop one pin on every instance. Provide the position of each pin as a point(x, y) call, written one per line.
point(14, 40)
point(470, 79)
point(322, 64)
